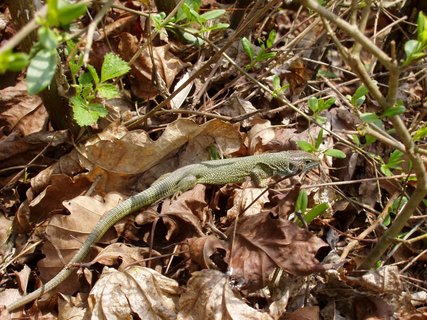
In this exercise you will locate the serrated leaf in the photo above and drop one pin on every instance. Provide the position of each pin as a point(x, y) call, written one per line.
point(93, 73)
point(302, 201)
point(86, 114)
point(247, 47)
point(335, 153)
point(213, 14)
point(41, 71)
point(108, 91)
point(316, 212)
point(305, 146)
point(113, 67)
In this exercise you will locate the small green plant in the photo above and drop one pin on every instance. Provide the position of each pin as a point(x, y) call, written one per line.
point(393, 163)
point(301, 207)
point(414, 49)
point(394, 209)
point(263, 54)
point(90, 87)
point(317, 106)
point(42, 60)
point(277, 87)
point(315, 147)
point(359, 96)
point(191, 21)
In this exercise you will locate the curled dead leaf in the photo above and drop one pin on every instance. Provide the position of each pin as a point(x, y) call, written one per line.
point(137, 291)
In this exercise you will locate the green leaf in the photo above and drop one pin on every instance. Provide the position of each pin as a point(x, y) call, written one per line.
point(217, 26)
point(271, 38)
point(397, 109)
point(86, 114)
point(94, 74)
point(356, 139)
point(359, 96)
point(213, 14)
point(335, 153)
point(85, 78)
point(69, 12)
point(369, 117)
point(395, 159)
point(113, 67)
point(41, 71)
point(327, 104)
point(108, 91)
point(313, 104)
point(315, 212)
point(320, 119)
point(302, 201)
point(52, 13)
point(276, 83)
point(411, 46)
point(13, 61)
point(319, 139)
point(421, 25)
point(47, 38)
point(190, 38)
point(420, 134)
point(327, 74)
point(305, 146)
point(247, 47)
point(386, 170)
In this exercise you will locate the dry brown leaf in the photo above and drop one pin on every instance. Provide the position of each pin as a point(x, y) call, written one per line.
point(202, 249)
point(244, 199)
point(128, 256)
point(297, 77)
point(264, 242)
point(67, 164)
point(117, 151)
point(20, 112)
point(209, 296)
point(167, 66)
point(62, 188)
point(137, 291)
point(306, 313)
point(385, 279)
point(66, 233)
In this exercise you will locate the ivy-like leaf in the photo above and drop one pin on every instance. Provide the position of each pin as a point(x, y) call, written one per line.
point(86, 114)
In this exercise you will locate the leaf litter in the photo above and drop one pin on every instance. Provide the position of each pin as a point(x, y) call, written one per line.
point(211, 252)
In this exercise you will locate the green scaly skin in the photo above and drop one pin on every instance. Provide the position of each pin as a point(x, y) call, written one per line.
point(216, 172)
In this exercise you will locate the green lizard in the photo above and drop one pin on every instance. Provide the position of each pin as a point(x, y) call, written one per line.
point(216, 172)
